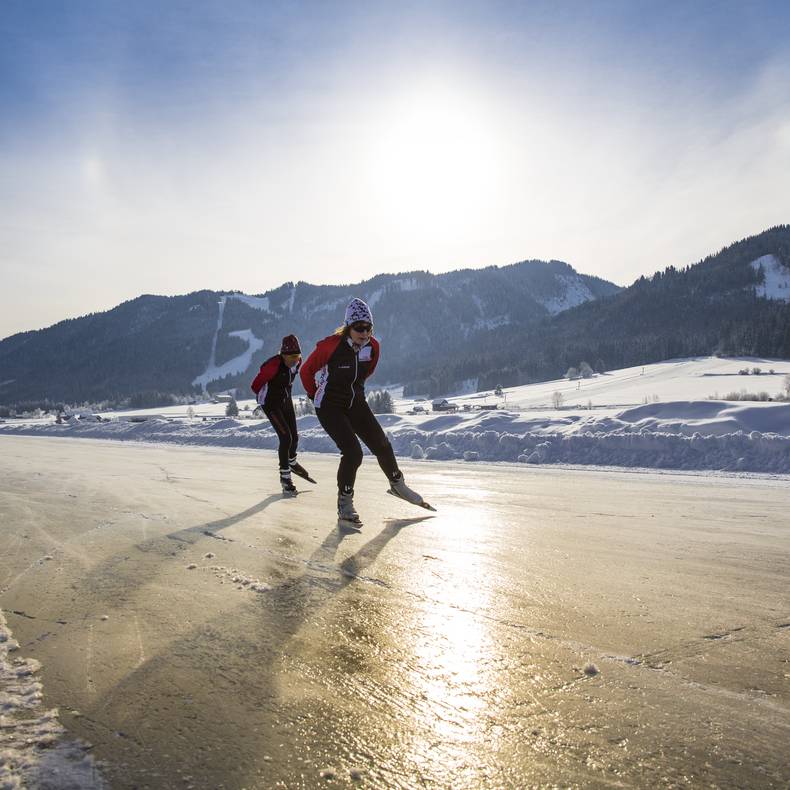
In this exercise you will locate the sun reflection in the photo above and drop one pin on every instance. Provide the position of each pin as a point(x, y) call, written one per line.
point(453, 653)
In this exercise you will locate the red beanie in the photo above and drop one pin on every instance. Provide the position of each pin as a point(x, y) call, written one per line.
point(290, 345)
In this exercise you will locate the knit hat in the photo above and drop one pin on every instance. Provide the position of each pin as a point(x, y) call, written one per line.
point(290, 345)
point(357, 310)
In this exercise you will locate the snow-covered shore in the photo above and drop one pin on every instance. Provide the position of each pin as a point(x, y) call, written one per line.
point(709, 435)
point(33, 749)
point(673, 430)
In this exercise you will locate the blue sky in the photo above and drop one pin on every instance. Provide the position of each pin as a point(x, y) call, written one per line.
point(167, 147)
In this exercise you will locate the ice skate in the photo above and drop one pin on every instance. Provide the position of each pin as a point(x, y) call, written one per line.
point(347, 516)
point(289, 489)
point(399, 489)
point(300, 471)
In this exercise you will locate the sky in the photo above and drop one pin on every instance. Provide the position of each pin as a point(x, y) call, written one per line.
point(170, 147)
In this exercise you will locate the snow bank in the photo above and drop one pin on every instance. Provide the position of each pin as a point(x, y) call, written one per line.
point(707, 417)
point(33, 752)
point(704, 435)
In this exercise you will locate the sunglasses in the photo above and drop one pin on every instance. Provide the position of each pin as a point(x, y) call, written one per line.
point(362, 326)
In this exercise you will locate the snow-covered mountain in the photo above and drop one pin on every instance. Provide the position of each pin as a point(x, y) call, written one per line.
point(215, 341)
point(735, 302)
point(460, 331)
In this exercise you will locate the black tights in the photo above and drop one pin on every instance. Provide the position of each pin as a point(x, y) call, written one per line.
point(344, 426)
point(283, 421)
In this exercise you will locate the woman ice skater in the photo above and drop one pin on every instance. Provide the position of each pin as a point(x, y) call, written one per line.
point(272, 387)
point(334, 378)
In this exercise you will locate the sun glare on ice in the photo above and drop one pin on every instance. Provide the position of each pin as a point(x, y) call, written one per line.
point(451, 653)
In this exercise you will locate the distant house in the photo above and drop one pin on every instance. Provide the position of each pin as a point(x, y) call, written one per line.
point(224, 397)
point(442, 404)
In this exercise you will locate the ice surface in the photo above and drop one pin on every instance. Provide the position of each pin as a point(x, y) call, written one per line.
point(546, 627)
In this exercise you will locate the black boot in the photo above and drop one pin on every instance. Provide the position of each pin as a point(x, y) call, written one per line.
point(345, 507)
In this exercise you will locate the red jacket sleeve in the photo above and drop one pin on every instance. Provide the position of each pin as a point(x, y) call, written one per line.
point(375, 361)
point(267, 372)
point(319, 357)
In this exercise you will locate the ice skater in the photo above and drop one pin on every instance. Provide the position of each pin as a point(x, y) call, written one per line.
point(334, 378)
point(272, 387)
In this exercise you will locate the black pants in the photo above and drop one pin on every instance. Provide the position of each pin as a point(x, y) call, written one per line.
point(344, 426)
point(283, 420)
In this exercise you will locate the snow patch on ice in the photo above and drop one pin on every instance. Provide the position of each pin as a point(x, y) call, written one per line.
point(33, 750)
point(241, 580)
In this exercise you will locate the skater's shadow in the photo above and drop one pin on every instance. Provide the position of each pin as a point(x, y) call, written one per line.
point(117, 577)
point(193, 534)
point(353, 566)
point(298, 597)
point(227, 664)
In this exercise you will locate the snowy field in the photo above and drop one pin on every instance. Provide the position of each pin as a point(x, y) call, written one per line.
point(172, 622)
point(670, 415)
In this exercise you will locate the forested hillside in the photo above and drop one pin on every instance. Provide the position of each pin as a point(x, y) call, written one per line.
point(707, 308)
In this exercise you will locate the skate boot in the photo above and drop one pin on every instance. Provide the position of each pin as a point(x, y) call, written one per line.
point(289, 489)
point(399, 489)
point(300, 471)
point(345, 509)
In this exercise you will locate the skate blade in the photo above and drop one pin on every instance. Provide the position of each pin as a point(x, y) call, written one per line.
point(424, 505)
point(304, 477)
point(344, 523)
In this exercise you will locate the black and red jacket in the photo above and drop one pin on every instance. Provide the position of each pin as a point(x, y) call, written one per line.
point(273, 383)
point(334, 374)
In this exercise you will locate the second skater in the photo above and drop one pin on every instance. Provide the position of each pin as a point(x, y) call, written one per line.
point(272, 387)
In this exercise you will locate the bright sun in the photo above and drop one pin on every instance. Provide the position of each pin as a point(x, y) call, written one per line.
point(434, 161)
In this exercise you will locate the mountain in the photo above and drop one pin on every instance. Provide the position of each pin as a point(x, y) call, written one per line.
point(736, 302)
point(215, 341)
point(508, 325)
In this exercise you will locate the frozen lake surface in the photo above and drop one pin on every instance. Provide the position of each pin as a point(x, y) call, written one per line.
point(546, 626)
